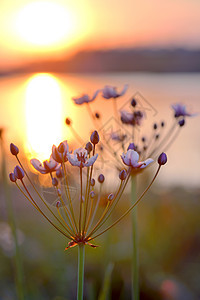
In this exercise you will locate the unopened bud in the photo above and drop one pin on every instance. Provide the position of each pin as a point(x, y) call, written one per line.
point(18, 172)
point(68, 121)
point(155, 126)
point(131, 146)
point(59, 173)
point(162, 159)
point(92, 182)
point(58, 204)
point(110, 197)
point(123, 175)
point(94, 138)
point(88, 147)
point(59, 192)
point(14, 149)
point(133, 102)
point(181, 122)
point(97, 115)
point(92, 194)
point(54, 181)
point(101, 178)
point(61, 148)
point(12, 177)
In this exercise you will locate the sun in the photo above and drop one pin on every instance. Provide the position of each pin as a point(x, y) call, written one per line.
point(44, 23)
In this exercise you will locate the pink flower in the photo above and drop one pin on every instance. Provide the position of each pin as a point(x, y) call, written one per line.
point(60, 153)
point(85, 98)
point(131, 159)
point(79, 158)
point(46, 166)
point(109, 92)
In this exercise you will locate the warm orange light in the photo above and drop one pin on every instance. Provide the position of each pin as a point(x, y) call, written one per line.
point(44, 23)
point(43, 115)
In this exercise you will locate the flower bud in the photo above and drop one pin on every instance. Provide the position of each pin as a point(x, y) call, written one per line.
point(54, 181)
point(94, 138)
point(181, 122)
point(133, 102)
point(68, 121)
point(97, 115)
point(155, 126)
point(59, 173)
point(92, 194)
point(92, 182)
point(12, 177)
point(143, 139)
point(122, 175)
point(59, 192)
point(61, 148)
point(110, 197)
point(131, 146)
point(58, 204)
point(88, 147)
point(14, 149)
point(101, 178)
point(18, 172)
point(162, 159)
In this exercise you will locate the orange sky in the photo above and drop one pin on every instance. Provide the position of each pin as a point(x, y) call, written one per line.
point(57, 28)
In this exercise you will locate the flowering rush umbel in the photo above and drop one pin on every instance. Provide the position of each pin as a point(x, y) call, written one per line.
point(81, 220)
point(129, 126)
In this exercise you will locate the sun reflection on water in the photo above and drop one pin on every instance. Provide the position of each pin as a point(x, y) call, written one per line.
point(43, 115)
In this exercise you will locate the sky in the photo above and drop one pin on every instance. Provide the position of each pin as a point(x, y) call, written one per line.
point(32, 30)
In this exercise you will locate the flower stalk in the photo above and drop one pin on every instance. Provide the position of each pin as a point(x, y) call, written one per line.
point(81, 261)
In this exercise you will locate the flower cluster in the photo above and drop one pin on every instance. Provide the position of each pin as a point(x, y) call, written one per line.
point(80, 221)
point(129, 128)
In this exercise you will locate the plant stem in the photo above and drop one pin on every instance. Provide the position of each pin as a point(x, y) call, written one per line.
point(80, 281)
point(11, 219)
point(135, 252)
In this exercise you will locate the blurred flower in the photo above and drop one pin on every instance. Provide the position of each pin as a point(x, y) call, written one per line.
point(133, 118)
point(85, 98)
point(109, 92)
point(180, 111)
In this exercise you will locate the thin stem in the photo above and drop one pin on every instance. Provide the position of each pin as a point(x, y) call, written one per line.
point(81, 200)
point(38, 208)
point(130, 208)
point(68, 195)
point(135, 249)
point(80, 279)
point(11, 219)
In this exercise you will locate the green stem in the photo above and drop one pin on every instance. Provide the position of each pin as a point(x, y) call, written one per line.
point(80, 281)
point(135, 250)
point(11, 218)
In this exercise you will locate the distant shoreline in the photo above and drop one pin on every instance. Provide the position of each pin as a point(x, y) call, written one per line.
point(117, 60)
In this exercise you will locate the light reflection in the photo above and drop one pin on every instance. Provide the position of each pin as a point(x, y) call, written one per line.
point(43, 115)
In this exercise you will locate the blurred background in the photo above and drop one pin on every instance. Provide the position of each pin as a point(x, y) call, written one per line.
point(51, 51)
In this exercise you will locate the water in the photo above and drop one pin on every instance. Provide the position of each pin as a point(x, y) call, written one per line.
point(33, 125)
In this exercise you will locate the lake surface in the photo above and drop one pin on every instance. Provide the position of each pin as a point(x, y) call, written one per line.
point(34, 108)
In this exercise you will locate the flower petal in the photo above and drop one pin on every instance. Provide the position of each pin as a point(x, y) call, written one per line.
point(91, 161)
point(146, 163)
point(38, 166)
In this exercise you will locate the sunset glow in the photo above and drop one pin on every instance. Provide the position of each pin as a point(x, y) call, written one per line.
point(44, 23)
point(43, 115)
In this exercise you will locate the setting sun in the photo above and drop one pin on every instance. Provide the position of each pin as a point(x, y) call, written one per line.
point(44, 23)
